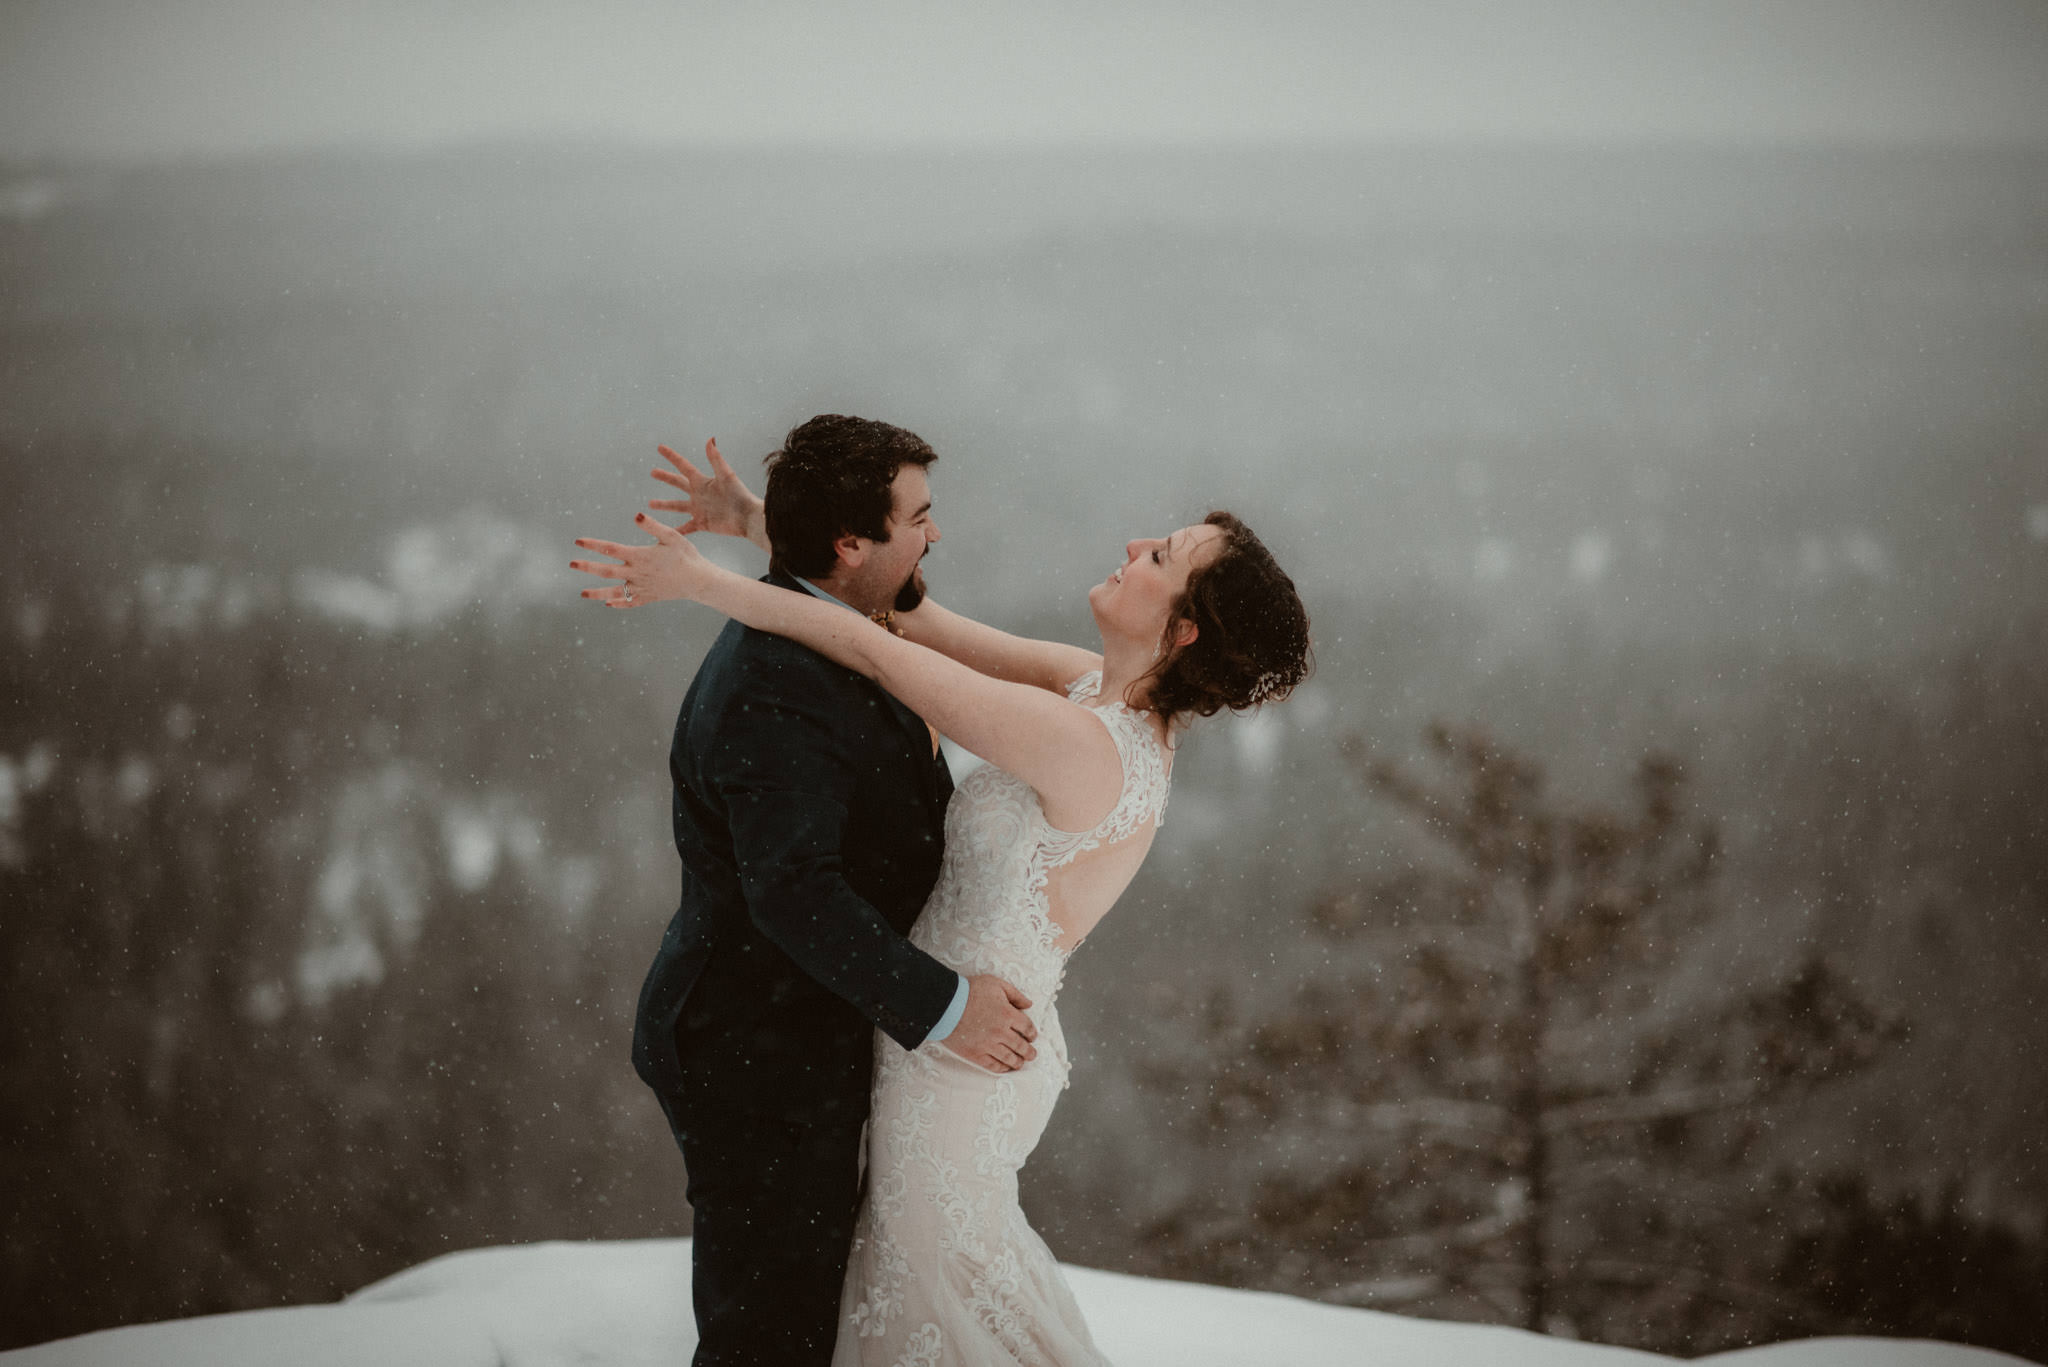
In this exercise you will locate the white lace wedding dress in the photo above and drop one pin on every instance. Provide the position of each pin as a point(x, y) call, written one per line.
point(944, 1267)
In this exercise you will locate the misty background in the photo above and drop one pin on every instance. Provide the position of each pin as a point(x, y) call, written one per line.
point(1616, 381)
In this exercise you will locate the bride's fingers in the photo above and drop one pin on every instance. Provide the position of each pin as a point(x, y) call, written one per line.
point(610, 548)
point(718, 465)
point(671, 505)
point(661, 530)
point(601, 571)
point(684, 470)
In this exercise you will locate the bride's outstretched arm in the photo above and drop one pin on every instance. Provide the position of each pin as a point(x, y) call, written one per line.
point(1054, 746)
point(987, 650)
point(720, 502)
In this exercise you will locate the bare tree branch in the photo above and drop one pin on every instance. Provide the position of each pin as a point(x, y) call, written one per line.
point(1674, 1103)
point(1438, 1113)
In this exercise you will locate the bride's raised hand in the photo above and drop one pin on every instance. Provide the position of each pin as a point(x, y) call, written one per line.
point(719, 502)
point(670, 568)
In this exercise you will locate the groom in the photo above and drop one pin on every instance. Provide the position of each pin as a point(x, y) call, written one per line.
point(809, 811)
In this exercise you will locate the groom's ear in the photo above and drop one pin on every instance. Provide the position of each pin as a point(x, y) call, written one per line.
point(852, 550)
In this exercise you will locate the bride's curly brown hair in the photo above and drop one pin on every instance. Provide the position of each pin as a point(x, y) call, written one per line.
point(1251, 644)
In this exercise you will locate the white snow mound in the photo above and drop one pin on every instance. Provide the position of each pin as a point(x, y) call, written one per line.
point(627, 1304)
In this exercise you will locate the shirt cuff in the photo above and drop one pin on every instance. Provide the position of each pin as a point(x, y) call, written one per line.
point(952, 1016)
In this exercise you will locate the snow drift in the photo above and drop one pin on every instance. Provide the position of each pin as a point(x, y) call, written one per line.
point(626, 1304)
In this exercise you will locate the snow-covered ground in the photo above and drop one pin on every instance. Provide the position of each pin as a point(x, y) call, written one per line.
point(539, 1305)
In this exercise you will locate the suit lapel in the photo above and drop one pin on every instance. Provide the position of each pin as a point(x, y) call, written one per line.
point(922, 741)
point(929, 766)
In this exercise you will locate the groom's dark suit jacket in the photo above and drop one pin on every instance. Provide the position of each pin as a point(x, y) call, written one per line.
point(809, 812)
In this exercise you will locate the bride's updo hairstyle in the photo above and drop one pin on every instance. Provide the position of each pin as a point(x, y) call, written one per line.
point(1251, 644)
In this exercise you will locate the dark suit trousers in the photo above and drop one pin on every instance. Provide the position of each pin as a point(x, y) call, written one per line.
point(773, 1202)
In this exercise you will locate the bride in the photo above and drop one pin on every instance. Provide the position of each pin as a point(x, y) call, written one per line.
point(1039, 843)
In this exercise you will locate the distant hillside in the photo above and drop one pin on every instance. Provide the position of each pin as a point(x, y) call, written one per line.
point(1723, 379)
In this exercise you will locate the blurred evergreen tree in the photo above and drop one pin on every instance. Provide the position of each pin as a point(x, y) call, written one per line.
point(1548, 1101)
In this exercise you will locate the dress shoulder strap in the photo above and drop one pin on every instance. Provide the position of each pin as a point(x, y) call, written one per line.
point(1146, 782)
point(1145, 779)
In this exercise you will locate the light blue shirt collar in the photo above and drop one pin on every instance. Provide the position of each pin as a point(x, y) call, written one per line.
point(817, 592)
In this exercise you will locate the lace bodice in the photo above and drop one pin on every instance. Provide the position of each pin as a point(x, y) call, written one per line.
point(990, 912)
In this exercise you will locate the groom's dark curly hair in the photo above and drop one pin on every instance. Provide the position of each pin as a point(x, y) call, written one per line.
point(832, 478)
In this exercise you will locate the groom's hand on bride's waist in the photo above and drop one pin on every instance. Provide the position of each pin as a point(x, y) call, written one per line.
point(994, 1032)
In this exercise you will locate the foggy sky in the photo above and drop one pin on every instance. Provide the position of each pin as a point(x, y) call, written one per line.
point(205, 77)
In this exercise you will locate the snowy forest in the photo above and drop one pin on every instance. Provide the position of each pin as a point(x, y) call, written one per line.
point(1633, 931)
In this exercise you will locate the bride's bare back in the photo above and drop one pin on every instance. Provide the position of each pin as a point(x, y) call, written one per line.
point(1081, 892)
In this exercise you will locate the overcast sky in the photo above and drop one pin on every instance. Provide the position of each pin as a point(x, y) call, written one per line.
point(159, 78)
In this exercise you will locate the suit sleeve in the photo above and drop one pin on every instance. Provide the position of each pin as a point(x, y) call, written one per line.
point(786, 780)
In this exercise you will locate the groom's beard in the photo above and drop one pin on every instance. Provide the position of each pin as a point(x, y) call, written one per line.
point(912, 592)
